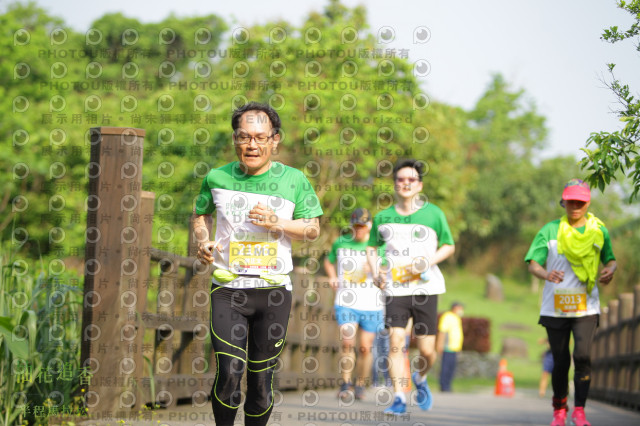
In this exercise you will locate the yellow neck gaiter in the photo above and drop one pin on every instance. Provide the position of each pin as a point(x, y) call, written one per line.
point(582, 250)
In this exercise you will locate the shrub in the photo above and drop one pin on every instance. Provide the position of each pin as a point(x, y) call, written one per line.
point(39, 344)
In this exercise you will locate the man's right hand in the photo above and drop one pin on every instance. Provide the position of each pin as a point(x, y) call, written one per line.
point(205, 251)
point(555, 276)
point(380, 281)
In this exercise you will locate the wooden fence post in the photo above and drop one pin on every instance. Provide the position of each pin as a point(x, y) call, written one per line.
point(111, 267)
point(625, 312)
point(612, 345)
point(196, 305)
point(636, 328)
point(144, 266)
point(634, 385)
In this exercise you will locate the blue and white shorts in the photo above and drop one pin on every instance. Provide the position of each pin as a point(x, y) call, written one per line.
point(371, 321)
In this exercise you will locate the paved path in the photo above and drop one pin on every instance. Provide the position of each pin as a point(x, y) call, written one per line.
point(322, 408)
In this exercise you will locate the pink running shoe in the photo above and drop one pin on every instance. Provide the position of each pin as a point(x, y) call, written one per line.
point(559, 417)
point(578, 418)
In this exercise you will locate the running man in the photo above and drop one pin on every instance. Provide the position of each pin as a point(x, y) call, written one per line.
point(417, 237)
point(566, 254)
point(261, 206)
point(358, 302)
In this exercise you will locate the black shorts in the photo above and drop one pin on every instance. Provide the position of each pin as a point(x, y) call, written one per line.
point(566, 323)
point(422, 308)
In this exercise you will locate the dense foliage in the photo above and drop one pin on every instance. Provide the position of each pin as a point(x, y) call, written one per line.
point(349, 107)
point(609, 153)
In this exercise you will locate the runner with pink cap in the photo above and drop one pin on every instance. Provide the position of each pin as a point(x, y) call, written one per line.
point(571, 249)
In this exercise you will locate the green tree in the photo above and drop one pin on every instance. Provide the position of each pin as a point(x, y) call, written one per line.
point(503, 132)
point(618, 151)
point(513, 193)
point(350, 109)
point(60, 83)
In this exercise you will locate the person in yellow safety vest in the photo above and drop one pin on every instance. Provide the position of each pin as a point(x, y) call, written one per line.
point(449, 343)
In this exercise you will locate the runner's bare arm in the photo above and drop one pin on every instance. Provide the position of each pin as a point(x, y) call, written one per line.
point(606, 274)
point(202, 224)
point(440, 339)
point(372, 260)
point(296, 229)
point(445, 251)
point(331, 272)
point(539, 271)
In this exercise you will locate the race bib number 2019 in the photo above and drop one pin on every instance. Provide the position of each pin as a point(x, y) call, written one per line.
point(570, 301)
point(254, 255)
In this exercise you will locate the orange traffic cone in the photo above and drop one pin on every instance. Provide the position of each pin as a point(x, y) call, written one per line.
point(505, 386)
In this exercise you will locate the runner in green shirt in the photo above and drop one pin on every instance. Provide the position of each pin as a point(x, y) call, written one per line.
point(416, 238)
point(565, 254)
point(260, 206)
point(358, 303)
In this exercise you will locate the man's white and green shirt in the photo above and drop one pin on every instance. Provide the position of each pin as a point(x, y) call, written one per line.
point(409, 244)
point(250, 250)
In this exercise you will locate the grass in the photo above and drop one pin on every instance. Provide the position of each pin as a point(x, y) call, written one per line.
point(516, 316)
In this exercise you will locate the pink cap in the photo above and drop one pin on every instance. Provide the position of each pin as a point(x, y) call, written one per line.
point(576, 189)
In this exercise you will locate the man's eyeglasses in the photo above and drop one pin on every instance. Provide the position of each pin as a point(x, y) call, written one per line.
point(409, 179)
point(243, 138)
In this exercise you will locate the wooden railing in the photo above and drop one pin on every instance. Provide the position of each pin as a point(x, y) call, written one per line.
point(139, 354)
point(310, 358)
point(616, 353)
point(178, 327)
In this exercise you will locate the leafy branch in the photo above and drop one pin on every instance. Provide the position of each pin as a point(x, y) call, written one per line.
point(617, 151)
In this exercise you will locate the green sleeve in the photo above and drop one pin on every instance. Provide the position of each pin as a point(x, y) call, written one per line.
point(606, 254)
point(382, 254)
point(204, 202)
point(539, 249)
point(374, 238)
point(376, 241)
point(307, 202)
point(444, 232)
